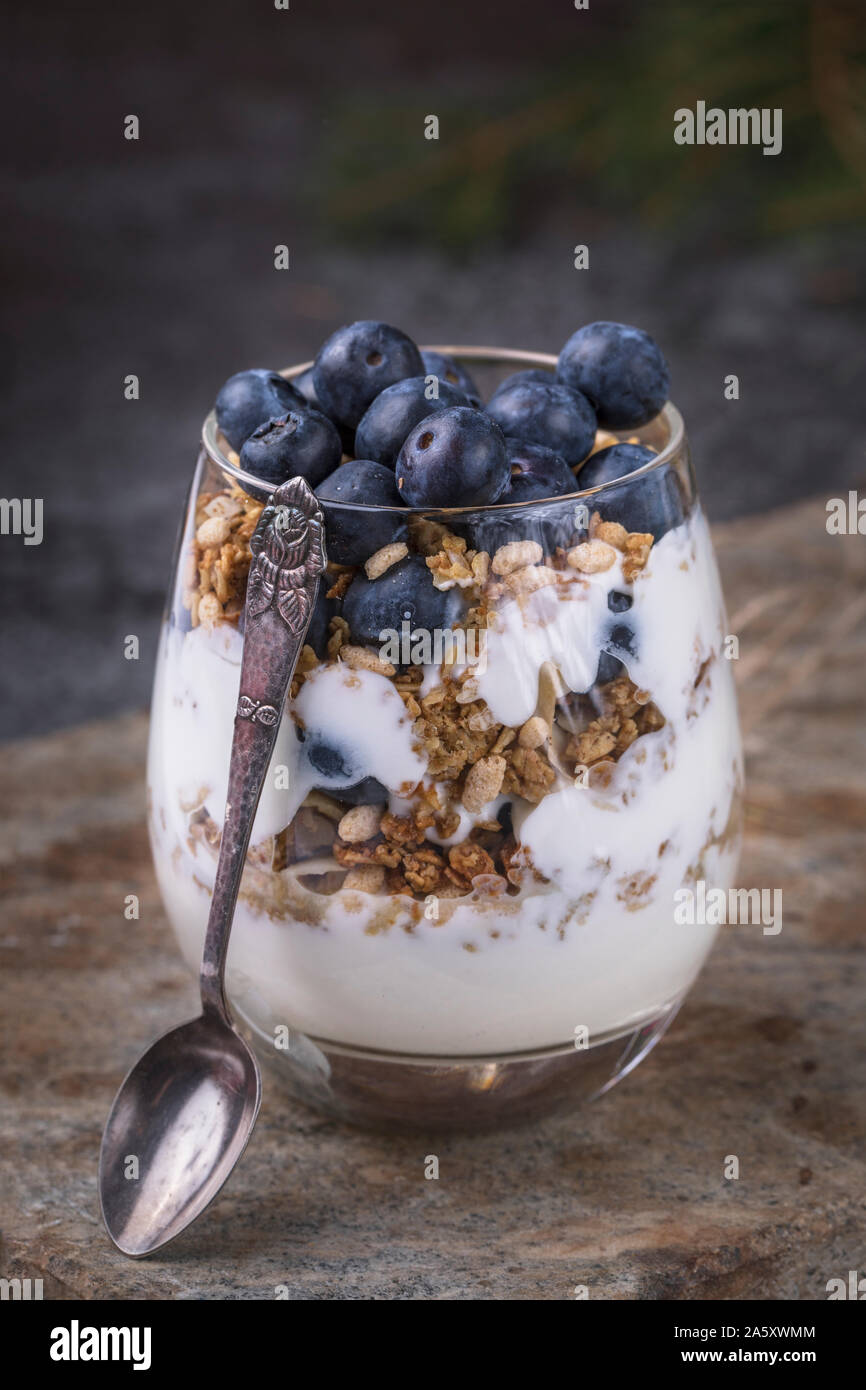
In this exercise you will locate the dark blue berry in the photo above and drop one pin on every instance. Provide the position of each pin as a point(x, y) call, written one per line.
point(369, 792)
point(651, 504)
point(455, 458)
point(304, 384)
point(332, 762)
point(359, 361)
point(404, 593)
point(394, 414)
point(616, 461)
point(353, 536)
point(324, 609)
point(536, 472)
point(541, 374)
point(339, 767)
point(546, 413)
point(248, 399)
point(619, 603)
point(621, 638)
point(620, 369)
point(454, 373)
point(608, 669)
point(302, 443)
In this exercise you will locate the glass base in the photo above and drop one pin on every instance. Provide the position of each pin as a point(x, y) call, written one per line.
point(391, 1092)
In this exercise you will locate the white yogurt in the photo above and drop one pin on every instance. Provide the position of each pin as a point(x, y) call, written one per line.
point(545, 628)
point(194, 706)
point(194, 703)
point(363, 712)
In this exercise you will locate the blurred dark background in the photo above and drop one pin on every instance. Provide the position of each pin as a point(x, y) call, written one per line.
point(305, 127)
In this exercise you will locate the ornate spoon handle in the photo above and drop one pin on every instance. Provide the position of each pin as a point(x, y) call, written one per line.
point(288, 549)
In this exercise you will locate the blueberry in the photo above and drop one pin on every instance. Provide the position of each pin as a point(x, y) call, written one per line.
point(622, 639)
point(324, 609)
point(353, 536)
point(304, 384)
point(332, 762)
point(302, 443)
point(339, 766)
point(541, 374)
point(616, 461)
point(250, 398)
point(369, 792)
point(395, 412)
point(620, 369)
point(546, 413)
point(608, 669)
point(359, 361)
point(455, 458)
point(651, 504)
point(619, 603)
point(536, 472)
point(405, 592)
point(449, 370)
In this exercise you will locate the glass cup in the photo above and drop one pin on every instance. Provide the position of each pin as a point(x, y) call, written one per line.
point(507, 759)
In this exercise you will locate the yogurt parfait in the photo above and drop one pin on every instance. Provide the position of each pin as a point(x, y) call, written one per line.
point(511, 736)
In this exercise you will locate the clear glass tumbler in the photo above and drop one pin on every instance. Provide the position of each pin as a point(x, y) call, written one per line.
point(503, 758)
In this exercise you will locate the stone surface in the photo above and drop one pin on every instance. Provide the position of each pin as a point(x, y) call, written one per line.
point(628, 1196)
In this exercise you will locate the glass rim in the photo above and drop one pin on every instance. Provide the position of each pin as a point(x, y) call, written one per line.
point(259, 488)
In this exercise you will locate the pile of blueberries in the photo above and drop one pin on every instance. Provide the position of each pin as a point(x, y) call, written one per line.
point(418, 443)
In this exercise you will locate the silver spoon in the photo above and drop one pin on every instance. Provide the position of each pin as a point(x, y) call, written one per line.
point(182, 1117)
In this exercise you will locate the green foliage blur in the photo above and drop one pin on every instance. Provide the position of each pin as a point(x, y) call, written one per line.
point(593, 135)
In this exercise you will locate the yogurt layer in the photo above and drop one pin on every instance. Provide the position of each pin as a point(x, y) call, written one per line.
point(194, 706)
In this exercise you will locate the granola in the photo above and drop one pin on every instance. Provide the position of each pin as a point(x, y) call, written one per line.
point(383, 559)
point(472, 758)
point(453, 563)
point(218, 559)
point(483, 782)
point(626, 713)
point(359, 824)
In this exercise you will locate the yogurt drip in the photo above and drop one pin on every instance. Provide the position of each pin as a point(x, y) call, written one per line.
point(677, 594)
point(361, 714)
point(358, 713)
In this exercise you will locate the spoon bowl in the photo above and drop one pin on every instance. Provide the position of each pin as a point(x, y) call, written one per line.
point(178, 1126)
